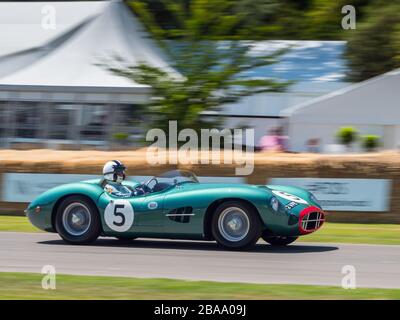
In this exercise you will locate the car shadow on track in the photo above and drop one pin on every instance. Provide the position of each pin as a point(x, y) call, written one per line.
point(260, 247)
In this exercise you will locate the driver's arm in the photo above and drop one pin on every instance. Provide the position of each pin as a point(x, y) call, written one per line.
point(118, 191)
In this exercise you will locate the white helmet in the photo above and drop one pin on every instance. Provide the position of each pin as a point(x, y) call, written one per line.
point(114, 171)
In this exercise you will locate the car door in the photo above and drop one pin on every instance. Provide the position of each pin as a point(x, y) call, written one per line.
point(150, 213)
point(182, 214)
point(135, 216)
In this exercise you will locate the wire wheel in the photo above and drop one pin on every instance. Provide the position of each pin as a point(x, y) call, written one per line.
point(234, 224)
point(76, 219)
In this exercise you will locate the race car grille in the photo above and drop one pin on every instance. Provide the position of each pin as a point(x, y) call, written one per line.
point(312, 221)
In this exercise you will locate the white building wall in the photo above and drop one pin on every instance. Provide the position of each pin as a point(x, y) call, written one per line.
point(261, 126)
point(396, 141)
point(244, 112)
point(300, 133)
point(371, 106)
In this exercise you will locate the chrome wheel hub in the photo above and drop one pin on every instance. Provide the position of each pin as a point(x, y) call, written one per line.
point(76, 219)
point(235, 224)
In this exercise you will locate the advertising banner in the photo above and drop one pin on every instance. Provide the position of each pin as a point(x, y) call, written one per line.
point(338, 194)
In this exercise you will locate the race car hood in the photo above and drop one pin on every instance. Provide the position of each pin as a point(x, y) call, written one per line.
point(288, 194)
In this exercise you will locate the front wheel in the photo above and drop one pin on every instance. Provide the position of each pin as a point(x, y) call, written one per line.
point(77, 220)
point(279, 241)
point(236, 225)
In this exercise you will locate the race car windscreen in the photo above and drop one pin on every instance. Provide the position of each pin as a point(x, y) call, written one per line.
point(177, 176)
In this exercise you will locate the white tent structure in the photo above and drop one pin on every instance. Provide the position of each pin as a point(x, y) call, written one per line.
point(53, 61)
point(73, 56)
point(371, 107)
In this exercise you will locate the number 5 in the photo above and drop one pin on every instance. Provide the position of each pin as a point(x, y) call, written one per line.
point(119, 214)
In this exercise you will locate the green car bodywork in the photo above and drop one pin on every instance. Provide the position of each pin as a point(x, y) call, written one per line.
point(157, 214)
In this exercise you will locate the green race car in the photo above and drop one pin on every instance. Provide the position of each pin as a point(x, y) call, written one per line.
point(176, 206)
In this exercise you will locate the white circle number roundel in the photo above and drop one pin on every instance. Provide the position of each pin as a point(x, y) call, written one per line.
point(119, 215)
point(289, 196)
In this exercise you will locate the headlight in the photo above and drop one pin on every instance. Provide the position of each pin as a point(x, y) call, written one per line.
point(274, 203)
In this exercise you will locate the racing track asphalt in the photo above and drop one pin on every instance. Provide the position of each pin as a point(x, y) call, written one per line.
point(300, 263)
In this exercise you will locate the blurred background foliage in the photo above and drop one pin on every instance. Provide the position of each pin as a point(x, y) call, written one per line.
point(248, 19)
point(211, 75)
point(373, 48)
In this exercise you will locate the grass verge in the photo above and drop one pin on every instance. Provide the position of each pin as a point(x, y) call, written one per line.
point(16, 224)
point(356, 233)
point(330, 232)
point(28, 286)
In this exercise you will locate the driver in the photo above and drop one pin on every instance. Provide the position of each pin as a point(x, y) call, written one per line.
point(114, 174)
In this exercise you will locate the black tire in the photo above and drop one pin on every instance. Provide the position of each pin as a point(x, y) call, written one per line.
point(64, 226)
point(249, 235)
point(279, 241)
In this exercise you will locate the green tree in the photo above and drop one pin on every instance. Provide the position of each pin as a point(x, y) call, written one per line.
point(374, 47)
point(213, 72)
point(253, 19)
point(240, 19)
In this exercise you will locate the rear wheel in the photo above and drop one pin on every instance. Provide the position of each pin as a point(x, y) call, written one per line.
point(77, 220)
point(279, 241)
point(236, 225)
